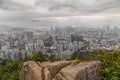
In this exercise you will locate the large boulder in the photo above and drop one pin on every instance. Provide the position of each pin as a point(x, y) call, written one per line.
point(60, 70)
point(81, 71)
point(31, 71)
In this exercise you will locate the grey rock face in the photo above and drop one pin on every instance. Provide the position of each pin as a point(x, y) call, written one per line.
point(60, 70)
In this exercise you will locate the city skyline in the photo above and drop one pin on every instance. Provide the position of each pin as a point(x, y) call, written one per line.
point(59, 39)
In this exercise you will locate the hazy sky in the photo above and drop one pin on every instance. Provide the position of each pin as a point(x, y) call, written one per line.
point(23, 10)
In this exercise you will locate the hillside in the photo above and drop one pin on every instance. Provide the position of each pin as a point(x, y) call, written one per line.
point(110, 65)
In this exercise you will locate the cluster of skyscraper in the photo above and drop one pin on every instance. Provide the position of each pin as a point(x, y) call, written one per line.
point(63, 42)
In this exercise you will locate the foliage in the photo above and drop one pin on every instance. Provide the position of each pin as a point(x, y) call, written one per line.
point(10, 70)
point(40, 57)
point(52, 57)
point(110, 62)
point(111, 66)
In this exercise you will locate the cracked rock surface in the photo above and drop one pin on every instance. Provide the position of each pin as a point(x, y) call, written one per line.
point(60, 70)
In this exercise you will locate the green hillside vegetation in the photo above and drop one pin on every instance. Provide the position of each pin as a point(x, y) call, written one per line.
point(10, 70)
point(110, 62)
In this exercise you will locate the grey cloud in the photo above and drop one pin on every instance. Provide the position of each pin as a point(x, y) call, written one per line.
point(79, 6)
point(12, 5)
point(82, 6)
point(54, 7)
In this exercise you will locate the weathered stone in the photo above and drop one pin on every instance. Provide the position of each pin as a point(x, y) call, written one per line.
point(81, 71)
point(60, 70)
point(31, 71)
point(47, 74)
point(55, 67)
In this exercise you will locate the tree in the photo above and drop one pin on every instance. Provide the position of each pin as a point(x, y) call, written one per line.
point(40, 57)
point(52, 57)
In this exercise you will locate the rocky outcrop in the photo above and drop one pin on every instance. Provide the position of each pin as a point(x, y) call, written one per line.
point(60, 70)
point(31, 71)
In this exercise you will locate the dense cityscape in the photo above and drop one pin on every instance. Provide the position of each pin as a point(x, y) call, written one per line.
point(59, 39)
point(17, 43)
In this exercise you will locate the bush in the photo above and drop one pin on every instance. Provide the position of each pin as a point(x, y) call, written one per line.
point(52, 57)
point(10, 71)
point(40, 57)
point(111, 66)
point(110, 62)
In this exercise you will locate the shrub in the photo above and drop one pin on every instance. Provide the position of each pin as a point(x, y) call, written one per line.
point(10, 71)
point(110, 62)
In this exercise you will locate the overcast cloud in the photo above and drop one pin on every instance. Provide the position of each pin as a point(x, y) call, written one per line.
point(43, 9)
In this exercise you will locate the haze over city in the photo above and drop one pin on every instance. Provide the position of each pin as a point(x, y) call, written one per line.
point(59, 39)
point(59, 27)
